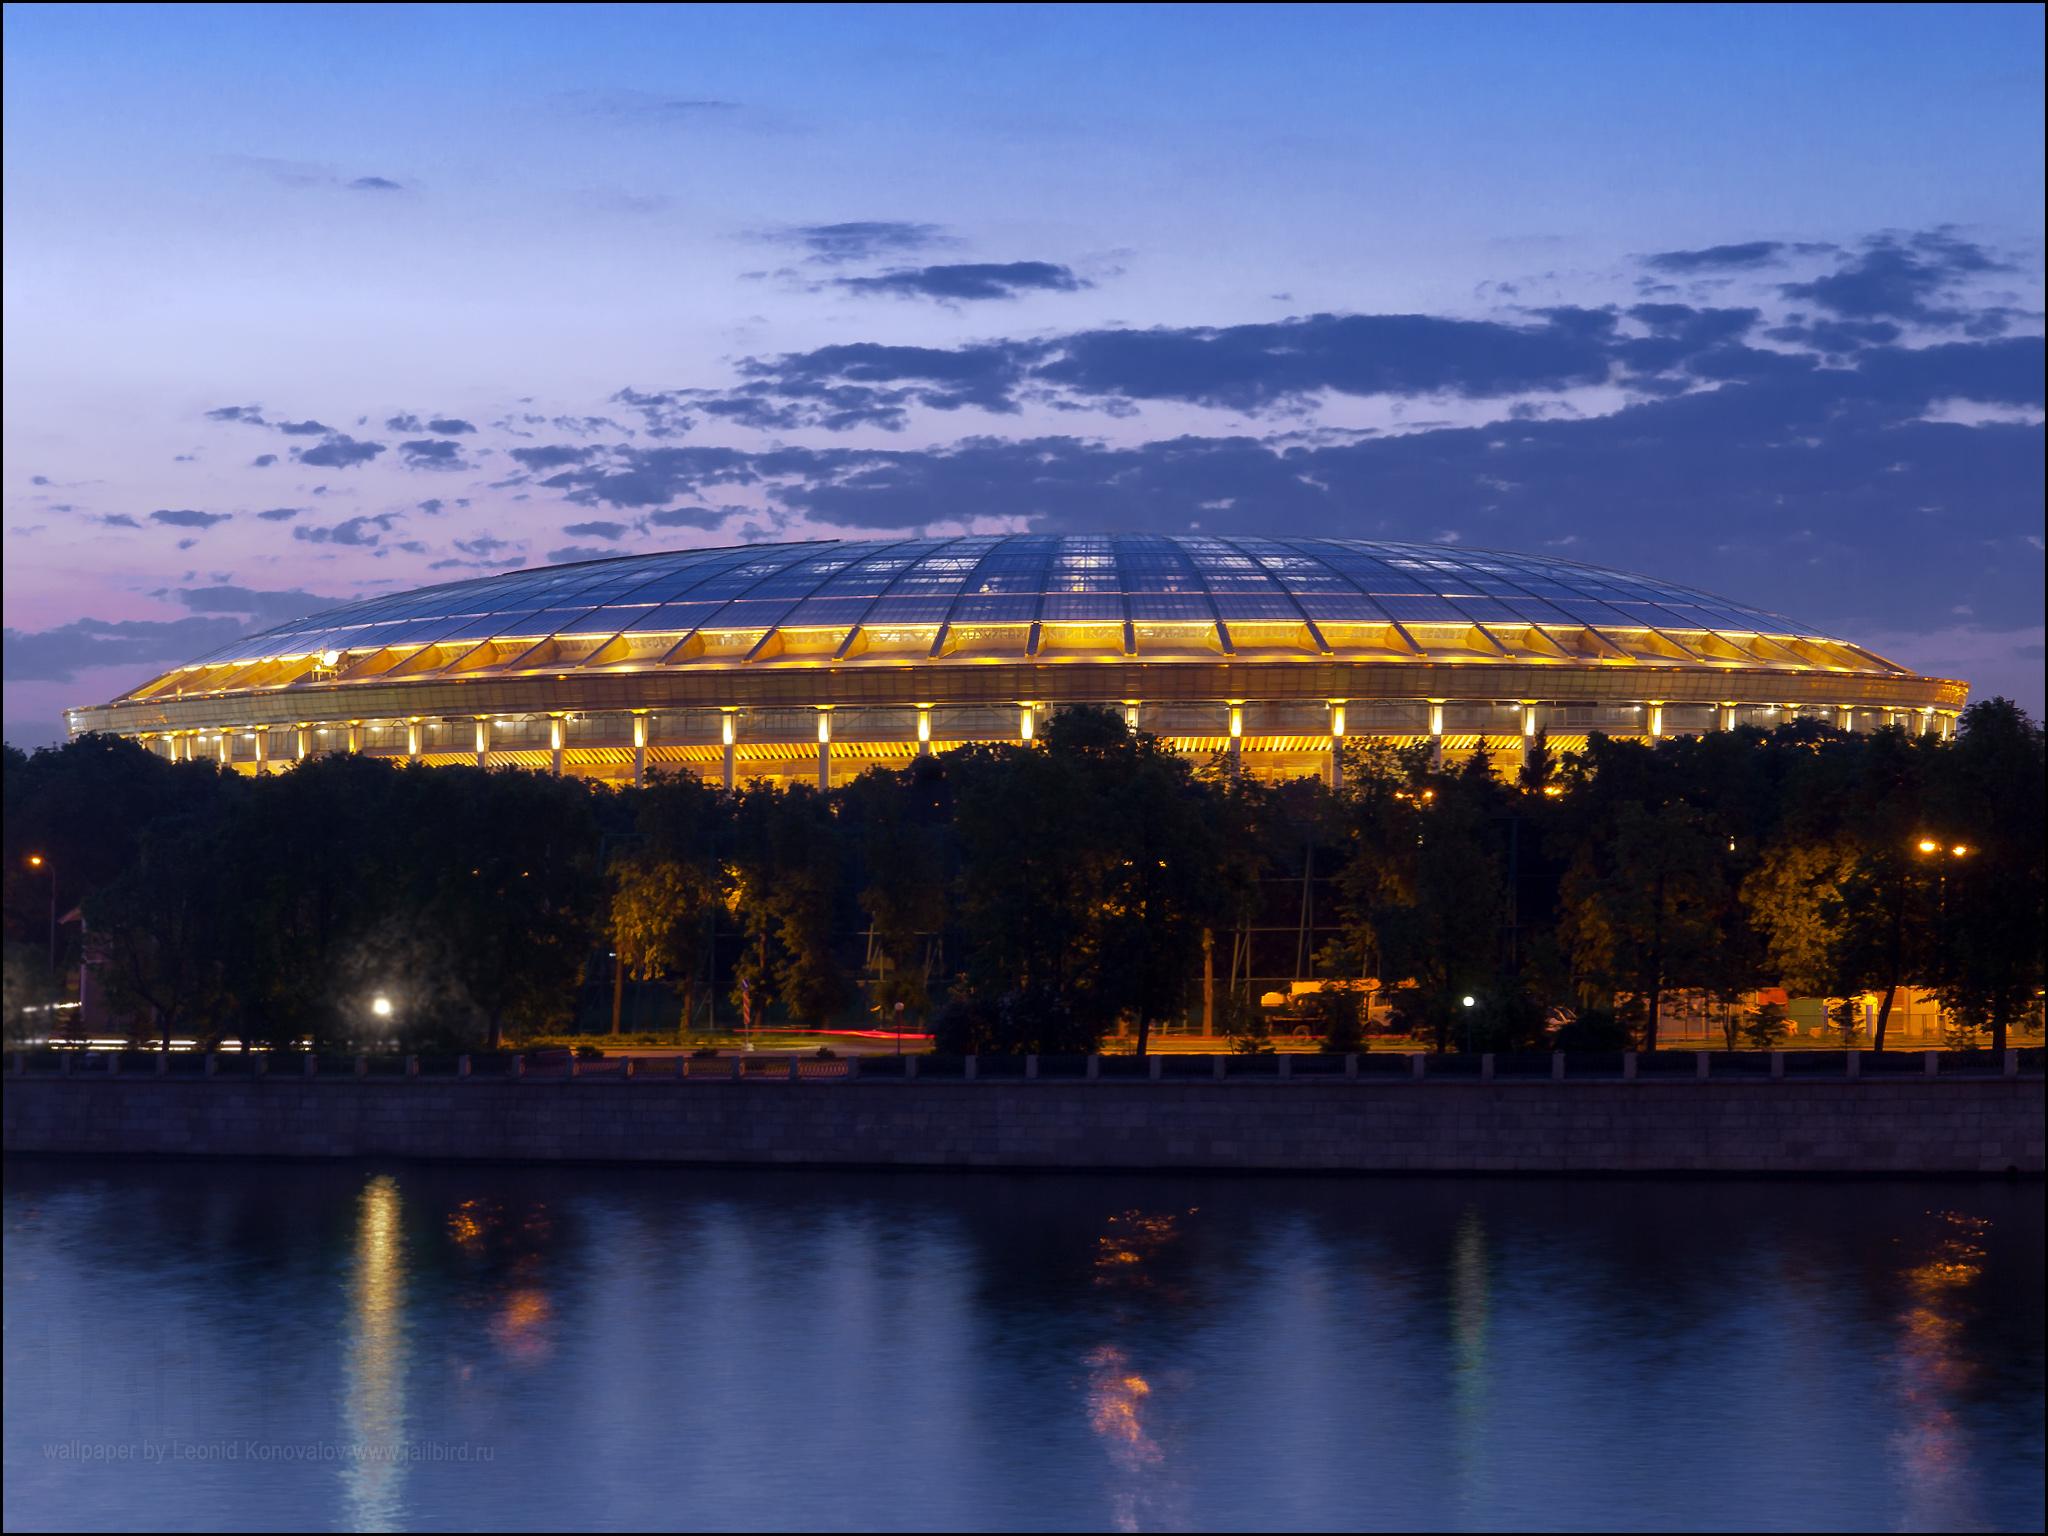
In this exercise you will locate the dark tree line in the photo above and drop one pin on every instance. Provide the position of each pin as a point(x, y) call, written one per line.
point(1037, 897)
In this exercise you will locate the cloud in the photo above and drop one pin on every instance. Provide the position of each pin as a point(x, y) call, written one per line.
point(968, 281)
point(404, 423)
point(374, 184)
point(362, 532)
point(552, 457)
point(280, 514)
point(1900, 278)
point(303, 428)
point(629, 106)
point(263, 461)
point(220, 613)
point(59, 655)
point(570, 553)
point(862, 240)
point(430, 453)
point(1720, 258)
point(117, 520)
point(449, 426)
point(341, 451)
point(252, 414)
point(613, 531)
point(260, 607)
point(185, 517)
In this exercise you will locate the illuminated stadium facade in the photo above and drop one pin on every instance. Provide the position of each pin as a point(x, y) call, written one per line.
point(811, 662)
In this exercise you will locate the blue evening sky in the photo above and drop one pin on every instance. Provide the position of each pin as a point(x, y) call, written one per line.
point(305, 302)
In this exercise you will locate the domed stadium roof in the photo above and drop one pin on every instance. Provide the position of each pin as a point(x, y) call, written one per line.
point(1017, 579)
point(989, 620)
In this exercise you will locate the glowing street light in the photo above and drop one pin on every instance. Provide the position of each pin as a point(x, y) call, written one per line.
point(1928, 845)
point(380, 1005)
point(1467, 1000)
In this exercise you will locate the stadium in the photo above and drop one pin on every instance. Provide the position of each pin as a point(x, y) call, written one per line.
point(810, 662)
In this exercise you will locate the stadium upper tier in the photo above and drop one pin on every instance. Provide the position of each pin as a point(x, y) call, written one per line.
point(1021, 621)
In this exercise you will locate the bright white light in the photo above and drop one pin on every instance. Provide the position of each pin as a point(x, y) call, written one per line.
point(1467, 1000)
point(381, 1006)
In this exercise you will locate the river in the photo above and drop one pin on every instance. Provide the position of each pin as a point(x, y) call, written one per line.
point(213, 1346)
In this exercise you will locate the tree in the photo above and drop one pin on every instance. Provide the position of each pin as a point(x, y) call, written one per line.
point(1764, 1026)
point(656, 919)
point(1639, 902)
point(898, 818)
point(783, 888)
point(1987, 795)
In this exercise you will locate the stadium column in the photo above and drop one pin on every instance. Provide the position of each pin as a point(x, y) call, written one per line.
point(1236, 738)
point(824, 748)
point(924, 730)
point(1845, 717)
point(1027, 724)
point(1436, 733)
point(483, 741)
point(412, 739)
point(557, 731)
point(1529, 727)
point(355, 735)
point(727, 730)
point(262, 736)
point(1656, 719)
point(1727, 717)
point(639, 747)
point(302, 742)
point(1335, 777)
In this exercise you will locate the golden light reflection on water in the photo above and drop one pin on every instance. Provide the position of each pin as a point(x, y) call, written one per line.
point(1118, 1392)
point(512, 1244)
point(1470, 1332)
point(1935, 1370)
point(373, 1476)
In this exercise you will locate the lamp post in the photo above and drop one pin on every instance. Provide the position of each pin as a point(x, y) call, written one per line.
point(1469, 1001)
point(1928, 847)
point(37, 861)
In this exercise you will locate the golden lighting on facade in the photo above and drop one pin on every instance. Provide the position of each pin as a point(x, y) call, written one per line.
point(1026, 725)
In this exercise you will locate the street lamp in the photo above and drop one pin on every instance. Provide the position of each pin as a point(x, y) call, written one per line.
point(380, 1005)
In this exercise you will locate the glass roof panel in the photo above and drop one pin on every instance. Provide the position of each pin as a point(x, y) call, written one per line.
point(1011, 578)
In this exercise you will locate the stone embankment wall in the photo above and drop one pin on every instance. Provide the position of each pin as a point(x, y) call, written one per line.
point(1776, 1126)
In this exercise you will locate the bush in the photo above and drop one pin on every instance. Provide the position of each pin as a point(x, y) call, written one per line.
point(704, 1052)
point(1339, 1012)
point(1592, 1029)
point(826, 1053)
point(590, 1053)
point(1763, 1027)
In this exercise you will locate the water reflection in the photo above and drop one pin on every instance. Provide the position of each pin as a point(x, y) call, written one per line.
point(692, 1349)
point(1468, 1359)
point(1126, 1265)
point(1936, 1371)
point(373, 1468)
